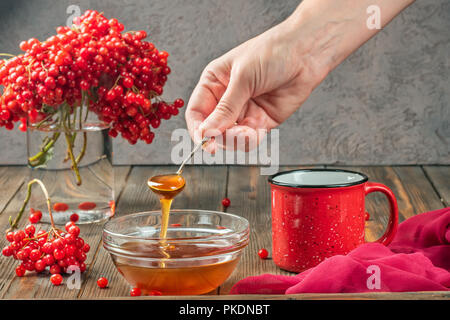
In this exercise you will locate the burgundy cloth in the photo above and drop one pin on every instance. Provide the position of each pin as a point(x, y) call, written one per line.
point(418, 259)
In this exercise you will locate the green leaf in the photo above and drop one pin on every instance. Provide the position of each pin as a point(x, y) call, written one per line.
point(43, 160)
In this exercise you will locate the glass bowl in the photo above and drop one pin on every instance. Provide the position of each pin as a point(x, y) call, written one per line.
point(201, 250)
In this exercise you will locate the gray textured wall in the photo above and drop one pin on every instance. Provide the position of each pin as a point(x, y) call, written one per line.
point(387, 104)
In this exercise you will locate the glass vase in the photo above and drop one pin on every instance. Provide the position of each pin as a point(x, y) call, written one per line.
point(76, 167)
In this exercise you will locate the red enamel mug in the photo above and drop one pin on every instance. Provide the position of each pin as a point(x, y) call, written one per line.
point(319, 213)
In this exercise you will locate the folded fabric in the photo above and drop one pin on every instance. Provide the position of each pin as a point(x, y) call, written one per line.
point(418, 259)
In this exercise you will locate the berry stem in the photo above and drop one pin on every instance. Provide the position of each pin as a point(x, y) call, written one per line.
point(83, 149)
point(44, 149)
point(72, 158)
point(13, 224)
point(69, 138)
point(80, 123)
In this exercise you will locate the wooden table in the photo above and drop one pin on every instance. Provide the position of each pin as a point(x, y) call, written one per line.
point(418, 189)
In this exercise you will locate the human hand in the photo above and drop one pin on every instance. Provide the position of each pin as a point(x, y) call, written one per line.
point(260, 83)
point(257, 85)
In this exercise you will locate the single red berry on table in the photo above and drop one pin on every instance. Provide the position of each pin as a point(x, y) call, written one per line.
point(102, 282)
point(226, 202)
point(56, 279)
point(263, 253)
point(135, 292)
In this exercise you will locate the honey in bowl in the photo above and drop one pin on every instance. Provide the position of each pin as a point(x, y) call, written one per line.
point(200, 251)
point(175, 278)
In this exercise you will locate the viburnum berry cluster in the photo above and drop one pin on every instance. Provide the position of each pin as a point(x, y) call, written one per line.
point(93, 66)
point(55, 250)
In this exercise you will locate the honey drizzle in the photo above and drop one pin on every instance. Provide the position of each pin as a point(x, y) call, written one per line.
point(167, 187)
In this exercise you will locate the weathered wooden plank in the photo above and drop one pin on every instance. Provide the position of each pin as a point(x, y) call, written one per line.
point(422, 295)
point(440, 179)
point(11, 178)
point(421, 194)
point(205, 188)
point(249, 192)
point(38, 286)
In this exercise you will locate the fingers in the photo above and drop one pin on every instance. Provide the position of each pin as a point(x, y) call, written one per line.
point(241, 137)
point(204, 98)
point(227, 111)
point(201, 102)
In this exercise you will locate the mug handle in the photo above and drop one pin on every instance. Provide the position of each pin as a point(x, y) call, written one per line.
point(392, 225)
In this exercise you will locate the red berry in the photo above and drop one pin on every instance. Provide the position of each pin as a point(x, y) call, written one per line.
point(59, 254)
point(263, 253)
point(59, 206)
point(86, 248)
point(59, 243)
point(35, 254)
point(38, 213)
point(226, 202)
point(7, 251)
point(49, 259)
point(34, 218)
point(70, 250)
point(19, 235)
point(20, 271)
point(55, 269)
point(30, 230)
point(79, 243)
point(102, 282)
point(56, 279)
point(47, 247)
point(74, 230)
point(87, 206)
point(40, 265)
point(68, 225)
point(179, 103)
point(127, 82)
point(10, 236)
point(135, 292)
point(74, 217)
point(69, 238)
point(50, 83)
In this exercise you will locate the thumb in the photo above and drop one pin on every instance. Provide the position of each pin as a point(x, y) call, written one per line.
point(228, 109)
